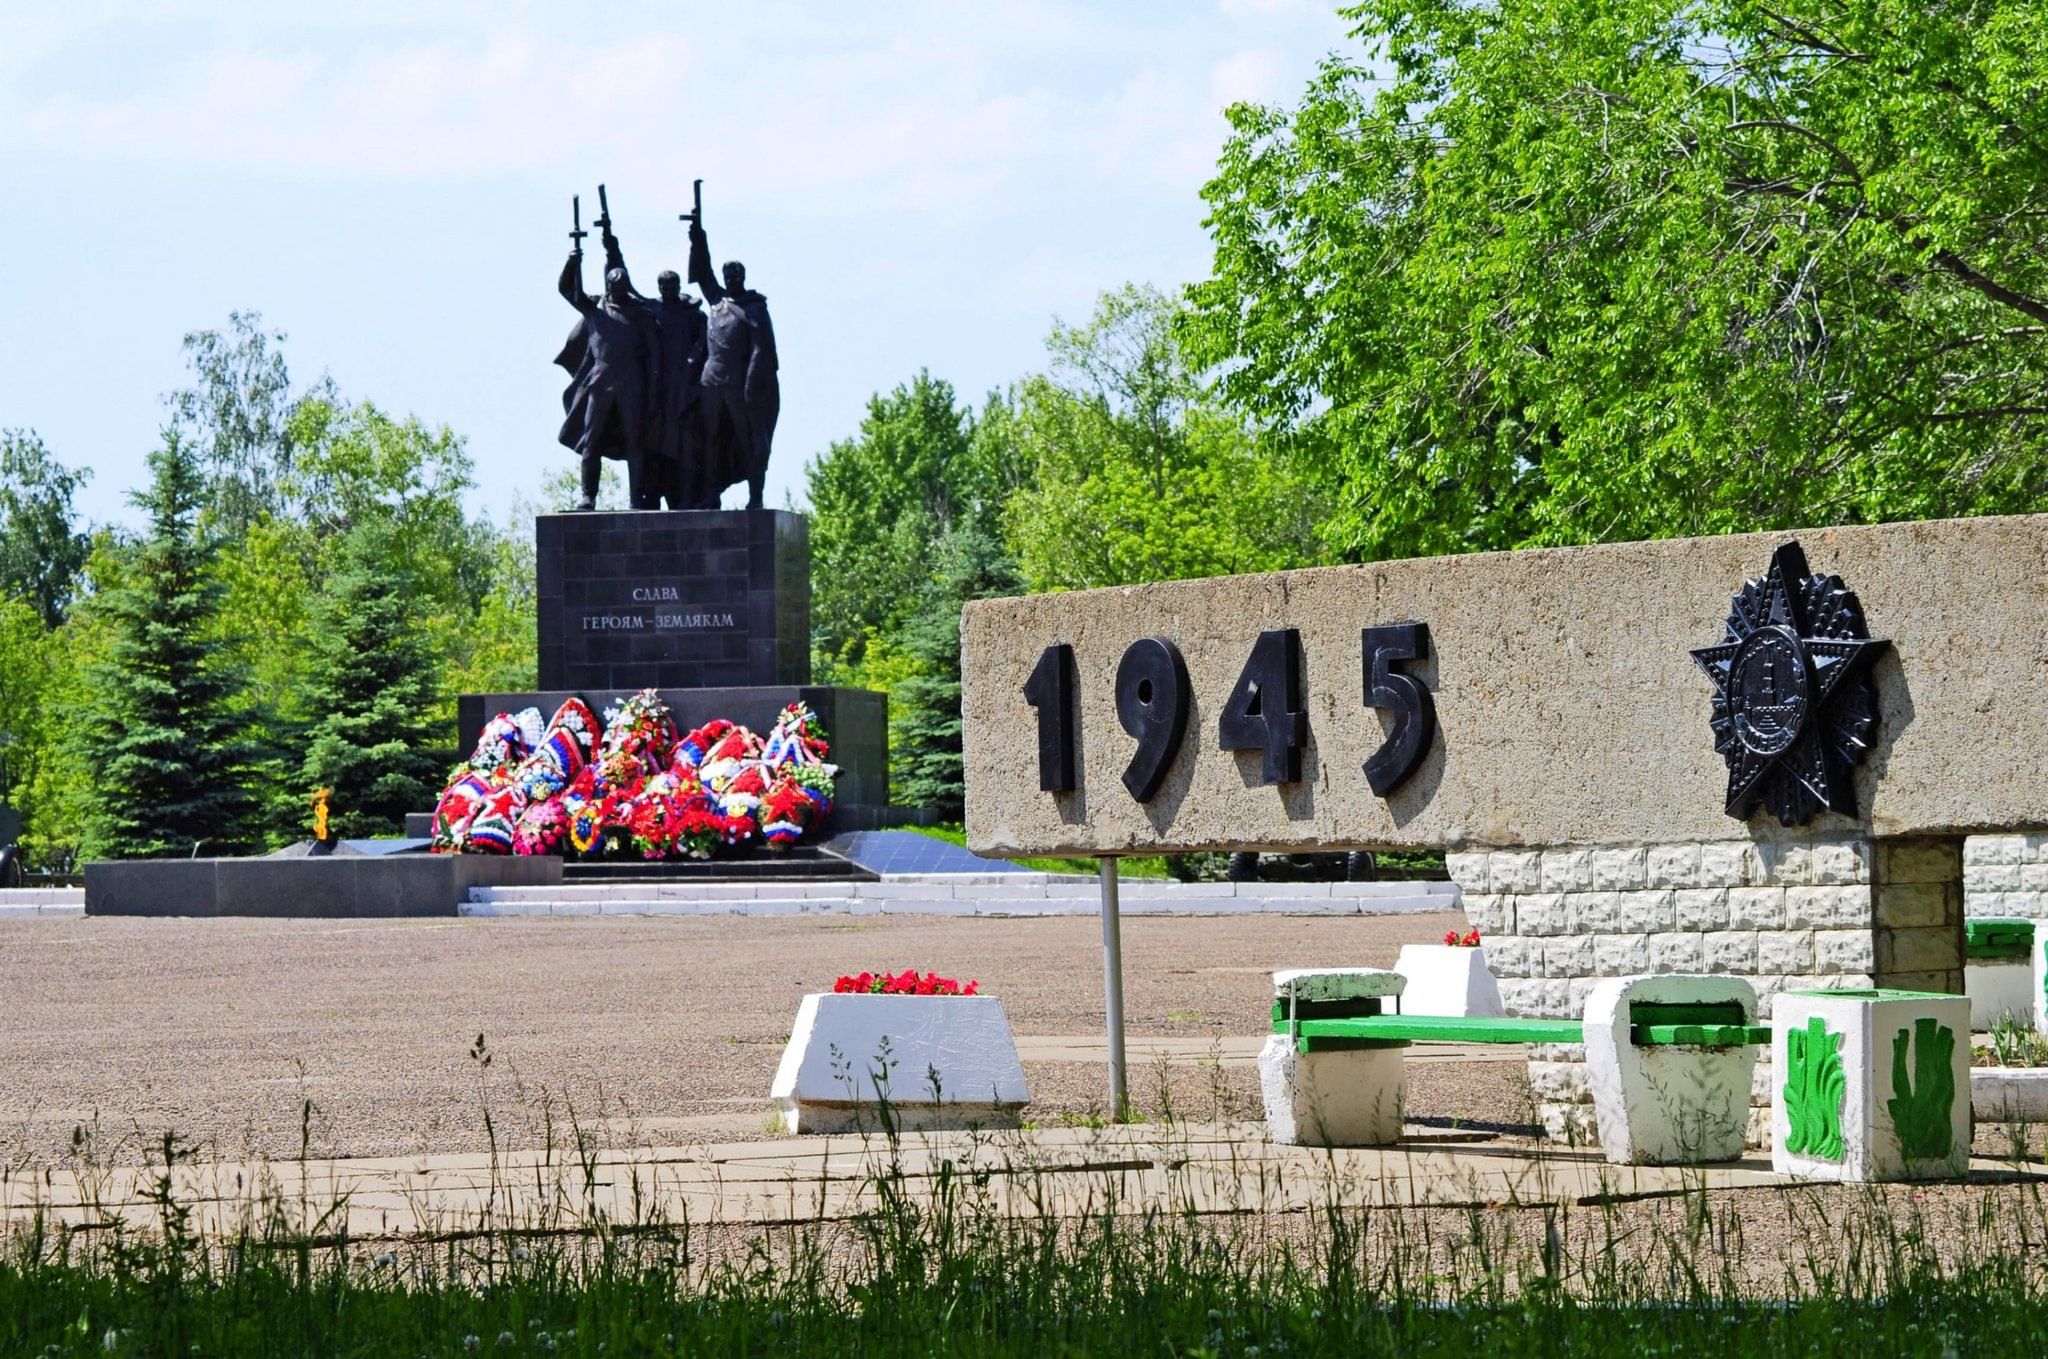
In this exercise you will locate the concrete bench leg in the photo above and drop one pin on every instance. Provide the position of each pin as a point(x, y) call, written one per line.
point(1333, 1099)
point(1667, 1105)
point(1870, 1085)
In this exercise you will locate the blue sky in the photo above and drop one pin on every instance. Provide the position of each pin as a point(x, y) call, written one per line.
point(911, 184)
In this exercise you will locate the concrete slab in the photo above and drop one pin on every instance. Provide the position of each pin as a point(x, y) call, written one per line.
point(1206, 1168)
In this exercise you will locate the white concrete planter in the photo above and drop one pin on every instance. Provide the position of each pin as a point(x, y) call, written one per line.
point(1870, 1085)
point(1667, 1105)
point(1447, 980)
point(1998, 989)
point(2009, 1094)
point(938, 1061)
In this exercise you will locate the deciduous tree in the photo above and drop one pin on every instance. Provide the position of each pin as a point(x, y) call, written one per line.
point(1549, 271)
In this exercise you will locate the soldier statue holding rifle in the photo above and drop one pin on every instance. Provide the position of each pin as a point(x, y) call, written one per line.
point(742, 393)
point(611, 356)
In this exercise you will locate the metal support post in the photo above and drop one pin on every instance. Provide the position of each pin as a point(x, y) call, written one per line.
point(1113, 990)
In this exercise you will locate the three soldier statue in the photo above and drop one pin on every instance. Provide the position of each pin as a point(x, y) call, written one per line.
point(685, 398)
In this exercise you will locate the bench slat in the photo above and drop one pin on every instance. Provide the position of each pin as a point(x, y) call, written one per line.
point(1700, 1035)
point(1992, 938)
point(1443, 1029)
point(1647, 1012)
point(1388, 1030)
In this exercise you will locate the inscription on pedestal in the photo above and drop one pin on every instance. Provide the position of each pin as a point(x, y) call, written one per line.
point(683, 599)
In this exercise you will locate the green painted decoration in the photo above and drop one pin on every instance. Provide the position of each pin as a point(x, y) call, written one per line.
point(1815, 1086)
point(1923, 1112)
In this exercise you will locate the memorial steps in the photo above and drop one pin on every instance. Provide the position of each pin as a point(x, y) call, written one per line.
point(1011, 894)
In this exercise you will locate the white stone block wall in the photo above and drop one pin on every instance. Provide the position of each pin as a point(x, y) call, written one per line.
point(2006, 875)
point(1782, 915)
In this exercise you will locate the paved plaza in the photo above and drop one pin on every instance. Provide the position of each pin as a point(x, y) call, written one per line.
point(655, 1031)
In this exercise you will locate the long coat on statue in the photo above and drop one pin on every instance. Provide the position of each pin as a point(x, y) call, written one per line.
point(610, 355)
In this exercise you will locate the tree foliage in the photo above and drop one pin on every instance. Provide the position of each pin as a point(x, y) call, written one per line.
point(1547, 271)
point(918, 467)
point(237, 416)
point(176, 771)
point(42, 549)
point(928, 766)
point(1136, 473)
point(369, 685)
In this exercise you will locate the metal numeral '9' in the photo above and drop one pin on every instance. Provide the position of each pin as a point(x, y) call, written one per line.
point(1152, 705)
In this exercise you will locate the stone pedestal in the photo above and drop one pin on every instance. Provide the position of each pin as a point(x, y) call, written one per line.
point(1333, 1099)
point(1444, 979)
point(676, 599)
point(712, 608)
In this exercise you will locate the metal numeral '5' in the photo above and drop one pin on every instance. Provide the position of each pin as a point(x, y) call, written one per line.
point(1387, 688)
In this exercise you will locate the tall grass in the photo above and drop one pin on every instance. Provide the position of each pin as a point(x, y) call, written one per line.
point(965, 1256)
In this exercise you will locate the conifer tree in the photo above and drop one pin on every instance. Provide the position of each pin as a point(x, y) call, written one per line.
point(178, 771)
point(928, 766)
point(369, 691)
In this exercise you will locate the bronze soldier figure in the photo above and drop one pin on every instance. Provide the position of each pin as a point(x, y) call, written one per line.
point(742, 394)
point(673, 438)
point(610, 356)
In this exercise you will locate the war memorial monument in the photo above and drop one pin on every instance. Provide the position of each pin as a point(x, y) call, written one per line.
point(700, 612)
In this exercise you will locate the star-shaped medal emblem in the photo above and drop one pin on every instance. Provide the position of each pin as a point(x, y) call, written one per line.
point(1795, 709)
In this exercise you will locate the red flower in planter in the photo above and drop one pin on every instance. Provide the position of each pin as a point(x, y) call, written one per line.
point(1471, 939)
point(905, 983)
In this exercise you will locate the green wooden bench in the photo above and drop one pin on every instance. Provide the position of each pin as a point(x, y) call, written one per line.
point(1351, 1025)
point(1669, 1060)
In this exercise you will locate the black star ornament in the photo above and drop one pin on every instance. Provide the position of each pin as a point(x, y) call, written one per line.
point(1795, 709)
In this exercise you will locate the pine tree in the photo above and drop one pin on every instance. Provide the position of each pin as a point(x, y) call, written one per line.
point(177, 777)
point(369, 688)
point(928, 768)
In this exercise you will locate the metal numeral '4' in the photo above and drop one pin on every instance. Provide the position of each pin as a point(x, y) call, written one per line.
point(1387, 688)
point(1264, 711)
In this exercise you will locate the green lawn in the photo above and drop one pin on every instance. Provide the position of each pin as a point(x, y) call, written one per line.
point(1140, 866)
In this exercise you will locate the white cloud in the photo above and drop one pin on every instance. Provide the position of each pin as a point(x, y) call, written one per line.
point(946, 109)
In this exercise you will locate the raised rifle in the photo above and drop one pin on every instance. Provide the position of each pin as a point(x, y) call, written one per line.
point(604, 212)
point(576, 232)
point(695, 216)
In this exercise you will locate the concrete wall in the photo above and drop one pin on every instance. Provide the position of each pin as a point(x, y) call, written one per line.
point(1570, 709)
point(2006, 875)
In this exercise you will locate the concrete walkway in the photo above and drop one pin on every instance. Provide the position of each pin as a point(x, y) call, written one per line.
point(1203, 1168)
point(21, 901)
point(1223, 1168)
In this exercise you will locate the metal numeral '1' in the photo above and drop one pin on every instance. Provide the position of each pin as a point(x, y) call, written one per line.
point(1387, 688)
point(1051, 690)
